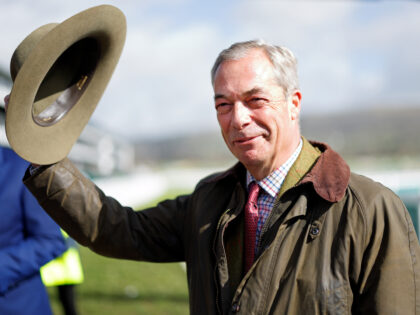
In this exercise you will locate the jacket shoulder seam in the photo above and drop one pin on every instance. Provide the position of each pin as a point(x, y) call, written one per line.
point(362, 208)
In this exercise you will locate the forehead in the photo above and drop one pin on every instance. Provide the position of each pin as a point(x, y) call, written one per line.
point(253, 70)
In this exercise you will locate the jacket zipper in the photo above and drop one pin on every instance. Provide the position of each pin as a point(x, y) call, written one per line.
point(265, 227)
point(266, 223)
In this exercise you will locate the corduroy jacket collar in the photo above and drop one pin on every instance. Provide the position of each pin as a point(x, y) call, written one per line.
point(330, 175)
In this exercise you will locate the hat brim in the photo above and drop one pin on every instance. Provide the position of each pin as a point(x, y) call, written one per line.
point(51, 143)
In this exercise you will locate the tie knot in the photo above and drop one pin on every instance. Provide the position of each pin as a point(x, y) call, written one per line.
point(254, 189)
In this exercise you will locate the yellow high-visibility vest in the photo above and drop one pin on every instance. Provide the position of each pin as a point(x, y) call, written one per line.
point(65, 269)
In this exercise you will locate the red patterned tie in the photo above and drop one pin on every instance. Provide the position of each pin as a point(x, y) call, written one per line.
point(251, 222)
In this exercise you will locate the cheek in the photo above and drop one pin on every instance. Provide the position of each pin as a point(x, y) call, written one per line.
point(277, 119)
point(223, 123)
point(267, 121)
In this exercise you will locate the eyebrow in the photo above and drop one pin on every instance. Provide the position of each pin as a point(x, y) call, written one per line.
point(247, 93)
point(255, 90)
point(217, 96)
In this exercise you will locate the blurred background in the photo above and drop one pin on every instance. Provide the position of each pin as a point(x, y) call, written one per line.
point(359, 74)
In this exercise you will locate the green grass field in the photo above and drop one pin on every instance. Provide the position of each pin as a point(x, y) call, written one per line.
point(114, 286)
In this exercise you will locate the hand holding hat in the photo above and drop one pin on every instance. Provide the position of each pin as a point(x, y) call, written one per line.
point(6, 101)
point(59, 74)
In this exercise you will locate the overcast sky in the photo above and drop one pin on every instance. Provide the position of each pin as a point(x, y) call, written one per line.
point(352, 54)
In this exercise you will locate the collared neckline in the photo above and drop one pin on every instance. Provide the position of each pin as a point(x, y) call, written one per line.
point(329, 175)
point(272, 183)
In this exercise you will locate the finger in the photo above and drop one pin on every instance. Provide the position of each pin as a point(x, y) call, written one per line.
point(6, 101)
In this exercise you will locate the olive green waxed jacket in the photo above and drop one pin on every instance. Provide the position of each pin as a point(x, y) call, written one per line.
point(335, 243)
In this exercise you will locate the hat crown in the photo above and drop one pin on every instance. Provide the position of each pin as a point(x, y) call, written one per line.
point(26, 46)
point(59, 73)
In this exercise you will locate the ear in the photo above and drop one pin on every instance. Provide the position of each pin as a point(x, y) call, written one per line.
point(294, 104)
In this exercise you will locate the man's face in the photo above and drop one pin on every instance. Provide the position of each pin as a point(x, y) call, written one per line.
point(259, 125)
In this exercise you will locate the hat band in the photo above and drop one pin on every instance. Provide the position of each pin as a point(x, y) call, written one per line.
point(65, 82)
point(57, 110)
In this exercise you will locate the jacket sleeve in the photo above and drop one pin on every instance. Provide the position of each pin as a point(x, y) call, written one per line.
point(42, 242)
point(102, 224)
point(389, 282)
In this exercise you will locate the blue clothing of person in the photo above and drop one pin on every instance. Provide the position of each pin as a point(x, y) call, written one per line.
point(29, 238)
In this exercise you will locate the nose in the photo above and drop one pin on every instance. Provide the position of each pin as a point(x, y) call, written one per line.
point(241, 115)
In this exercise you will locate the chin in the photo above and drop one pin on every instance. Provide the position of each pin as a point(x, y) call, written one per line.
point(249, 159)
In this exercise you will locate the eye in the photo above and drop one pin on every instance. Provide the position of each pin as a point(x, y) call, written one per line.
point(223, 107)
point(257, 101)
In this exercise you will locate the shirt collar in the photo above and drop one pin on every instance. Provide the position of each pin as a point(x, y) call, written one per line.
point(272, 183)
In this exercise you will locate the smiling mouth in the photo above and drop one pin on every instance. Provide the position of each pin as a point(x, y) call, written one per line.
point(244, 140)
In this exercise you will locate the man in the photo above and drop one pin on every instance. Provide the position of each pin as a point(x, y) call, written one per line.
point(313, 238)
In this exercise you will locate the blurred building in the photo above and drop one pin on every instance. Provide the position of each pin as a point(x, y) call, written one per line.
point(99, 153)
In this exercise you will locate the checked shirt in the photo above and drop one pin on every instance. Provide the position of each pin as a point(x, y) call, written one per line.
point(270, 188)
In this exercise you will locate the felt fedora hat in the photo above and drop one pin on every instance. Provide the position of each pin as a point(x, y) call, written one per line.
point(59, 74)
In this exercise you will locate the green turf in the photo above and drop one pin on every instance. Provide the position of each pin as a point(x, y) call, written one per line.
point(114, 286)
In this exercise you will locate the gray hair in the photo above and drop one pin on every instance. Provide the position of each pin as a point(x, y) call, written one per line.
point(283, 60)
